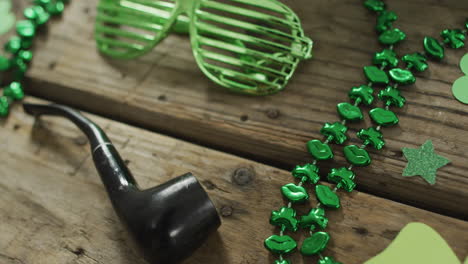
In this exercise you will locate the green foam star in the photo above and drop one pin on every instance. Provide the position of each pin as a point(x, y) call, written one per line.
point(423, 162)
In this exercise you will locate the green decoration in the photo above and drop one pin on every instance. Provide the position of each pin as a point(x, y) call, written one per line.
point(25, 29)
point(376, 75)
point(14, 90)
point(363, 93)
point(423, 162)
point(286, 217)
point(37, 14)
point(392, 36)
point(315, 243)
point(357, 156)
point(315, 219)
point(401, 76)
point(375, 5)
point(295, 193)
point(8, 18)
point(349, 112)
point(327, 197)
point(244, 48)
point(4, 63)
point(386, 57)
point(25, 55)
point(4, 106)
point(344, 178)
point(454, 37)
point(14, 45)
point(328, 260)
point(307, 173)
point(319, 150)
point(373, 137)
point(383, 117)
point(392, 96)
point(460, 86)
point(385, 20)
point(335, 132)
point(280, 244)
point(417, 61)
point(283, 261)
point(433, 47)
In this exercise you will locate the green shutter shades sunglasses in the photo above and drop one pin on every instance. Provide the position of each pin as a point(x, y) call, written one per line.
point(249, 46)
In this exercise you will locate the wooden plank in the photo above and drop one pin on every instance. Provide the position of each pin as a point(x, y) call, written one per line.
point(165, 91)
point(53, 208)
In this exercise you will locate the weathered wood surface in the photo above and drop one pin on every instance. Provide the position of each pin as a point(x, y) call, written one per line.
point(53, 208)
point(166, 92)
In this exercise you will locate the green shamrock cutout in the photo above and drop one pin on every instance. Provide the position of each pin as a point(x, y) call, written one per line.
point(8, 18)
point(460, 86)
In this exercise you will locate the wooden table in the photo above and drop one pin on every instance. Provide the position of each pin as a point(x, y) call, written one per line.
point(167, 118)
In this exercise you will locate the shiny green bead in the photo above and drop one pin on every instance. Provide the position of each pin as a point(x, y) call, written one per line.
point(55, 8)
point(466, 24)
point(433, 48)
point(30, 13)
point(383, 117)
point(4, 63)
point(280, 244)
point(315, 219)
point(402, 76)
point(328, 260)
point(375, 5)
point(25, 29)
point(20, 68)
point(455, 38)
point(392, 36)
point(392, 96)
point(14, 91)
point(25, 55)
point(13, 45)
point(373, 137)
point(363, 93)
point(41, 15)
point(349, 112)
point(42, 2)
point(319, 150)
point(286, 217)
point(385, 20)
point(357, 156)
point(417, 61)
point(4, 106)
point(327, 197)
point(295, 193)
point(376, 75)
point(307, 173)
point(343, 177)
point(315, 243)
point(386, 57)
point(335, 132)
point(284, 261)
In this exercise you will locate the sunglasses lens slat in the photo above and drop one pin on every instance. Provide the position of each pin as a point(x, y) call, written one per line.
point(149, 26)
point(121, 44)
point(125, 34)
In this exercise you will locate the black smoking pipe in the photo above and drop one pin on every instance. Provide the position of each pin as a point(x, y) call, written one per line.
point(168, 222)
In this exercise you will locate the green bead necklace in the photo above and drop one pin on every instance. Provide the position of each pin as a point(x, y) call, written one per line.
point(18, 48)
point(384, 72)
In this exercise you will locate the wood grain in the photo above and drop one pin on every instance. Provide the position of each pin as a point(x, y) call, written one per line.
point(53, 208)
point(165, 91)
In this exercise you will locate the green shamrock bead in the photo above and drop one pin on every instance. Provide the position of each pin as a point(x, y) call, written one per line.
point(280, 244)
point(454, 37)
point(357, 156)
point(20, 68)
point(344, 178)
point(402, 76)
point(392, 36)
point(30, 13)
point(295, 193)
point(319, 150)
point(284, 261)
point(284, 217)
point(433, 48)
point(14, 91)
point(41, 15)
point(13, 45)
point(4, 106)
point(315, 219)
point(417, 61)
point(376, 75)
point(327, 197)
point(328, 260)
point(375, 5)
point(363, 93)
point(25, 29)
point(4, 63)
point(55, 8)
point(383, 117)
point(307, 173)
point(315, 243)
point(386, 57)
point(385, 20)
point(25, 55)
point(373, 137)
point(392, 96)
point(335, 132)
point(349, 112)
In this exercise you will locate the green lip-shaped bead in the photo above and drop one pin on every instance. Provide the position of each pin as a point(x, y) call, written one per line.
point(357, 156)
point(25, 29)
point(14, 90)
point(349, 112)
point(344, 178)
point(327, 197)
point(402, 76)
point(434, 48)
point(383, 117)
point(286, 217)
point(376, 75)
point(307, 173)
point(4, 63)
point(280, 244)
point(319, 150)
point(392, 36)
point(373, 137)
point(363, 93)
point(315, 219)
point(4, 106)
point(294, 193)
point(315, 244)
